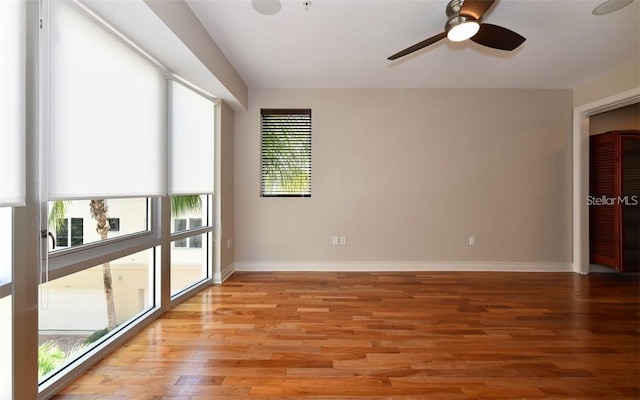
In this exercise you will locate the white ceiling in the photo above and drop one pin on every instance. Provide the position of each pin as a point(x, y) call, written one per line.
point(345, 44)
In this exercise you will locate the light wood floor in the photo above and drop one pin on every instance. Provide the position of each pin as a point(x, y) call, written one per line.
point(386, 335)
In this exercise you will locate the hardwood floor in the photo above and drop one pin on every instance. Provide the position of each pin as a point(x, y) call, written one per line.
point(438, 335)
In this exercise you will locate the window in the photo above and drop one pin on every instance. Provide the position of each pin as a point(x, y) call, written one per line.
point(192, 230)
point(100, 282)
point(83, 227)
point(80, 314)
point(6, 327)
point(66, 237)
point(114, 224)
point(6, 245)
point(286, 153)
point(183, 224)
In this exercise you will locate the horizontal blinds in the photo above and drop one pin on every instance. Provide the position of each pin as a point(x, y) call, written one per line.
point(191, 143)
point(106, 113)
point(286, 153)
point(12, 102)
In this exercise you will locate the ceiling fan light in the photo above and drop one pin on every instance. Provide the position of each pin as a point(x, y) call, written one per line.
point(463, 31)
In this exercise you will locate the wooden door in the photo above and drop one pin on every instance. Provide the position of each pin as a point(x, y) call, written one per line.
point(604, 235)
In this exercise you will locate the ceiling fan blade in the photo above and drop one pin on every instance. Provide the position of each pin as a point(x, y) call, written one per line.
point(497, 37)
point(475, 8)
point(418, 46)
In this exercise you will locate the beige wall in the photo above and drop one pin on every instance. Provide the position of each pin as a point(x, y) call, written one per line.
point(619, 119)
point(409, 175)
point(227, 181)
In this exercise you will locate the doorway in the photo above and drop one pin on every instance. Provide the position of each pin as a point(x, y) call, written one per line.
point(581, 128)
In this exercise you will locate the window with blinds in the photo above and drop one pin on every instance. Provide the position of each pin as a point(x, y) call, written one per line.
point(286, 153)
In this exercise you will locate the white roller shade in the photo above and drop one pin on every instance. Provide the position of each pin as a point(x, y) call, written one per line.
point(191, 143)
point(107, 107)
point(12, 102)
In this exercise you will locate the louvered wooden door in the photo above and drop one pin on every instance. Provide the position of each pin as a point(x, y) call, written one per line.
point(630, 204)
point(614, 194)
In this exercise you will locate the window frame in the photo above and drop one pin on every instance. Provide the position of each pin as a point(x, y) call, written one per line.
point(302, 135)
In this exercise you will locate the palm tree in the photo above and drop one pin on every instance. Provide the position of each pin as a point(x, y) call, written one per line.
point(100, 213)
point(99, 210)
point(286, 156)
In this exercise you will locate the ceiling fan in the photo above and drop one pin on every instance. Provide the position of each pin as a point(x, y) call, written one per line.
point(465, 22)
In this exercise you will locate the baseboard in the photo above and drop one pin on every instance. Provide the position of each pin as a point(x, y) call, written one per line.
point(224, 274)
point(398, 266)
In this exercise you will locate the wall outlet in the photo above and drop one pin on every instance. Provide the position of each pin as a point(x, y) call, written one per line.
point(472, 240)
point(230, 243)
point(343, 240)
point(334, 240)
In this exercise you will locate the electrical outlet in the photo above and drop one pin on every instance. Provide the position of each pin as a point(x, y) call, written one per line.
point(472, 240)
point(334, 240)
point(343, 240)
point(229, 243)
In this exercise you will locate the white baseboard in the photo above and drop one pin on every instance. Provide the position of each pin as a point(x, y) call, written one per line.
point(401, 266)
point(223, 275)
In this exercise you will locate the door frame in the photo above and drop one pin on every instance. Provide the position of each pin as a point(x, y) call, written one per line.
point(581, 170)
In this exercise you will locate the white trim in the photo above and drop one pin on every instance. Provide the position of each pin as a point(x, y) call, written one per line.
point(222, 276)
point(581, 170)
point(401, 266)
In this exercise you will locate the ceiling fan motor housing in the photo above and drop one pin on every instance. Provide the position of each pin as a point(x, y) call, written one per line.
point(454, 17)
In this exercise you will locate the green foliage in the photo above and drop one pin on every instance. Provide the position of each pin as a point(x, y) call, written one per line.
point(186, 203)
point(49, 358)
point(57, 214)
point(96, 335)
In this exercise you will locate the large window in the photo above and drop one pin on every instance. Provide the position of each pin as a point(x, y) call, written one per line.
point(5, 347)
point(77, 222)
point(13, 102)
point(97, 280)
point(191, 185)
point(93, 272)
point(191, 241)
point(77, 312)
point(286, 153)
point(5, 302)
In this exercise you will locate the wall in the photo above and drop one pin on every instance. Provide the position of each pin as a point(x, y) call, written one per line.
point(227, 187)
point(409, 175)
point(619, 119)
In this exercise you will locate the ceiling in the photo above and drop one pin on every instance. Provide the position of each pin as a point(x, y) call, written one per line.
point(345, 44)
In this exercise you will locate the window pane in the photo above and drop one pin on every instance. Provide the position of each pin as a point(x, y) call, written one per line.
point(6, 365)
point(5, 244)
point(74, 313)
point(76, 226)
point(286, 153)
point(191, 212)
point(62, 232)
point(77, 232)
point(180, 225)
point(188, 266)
